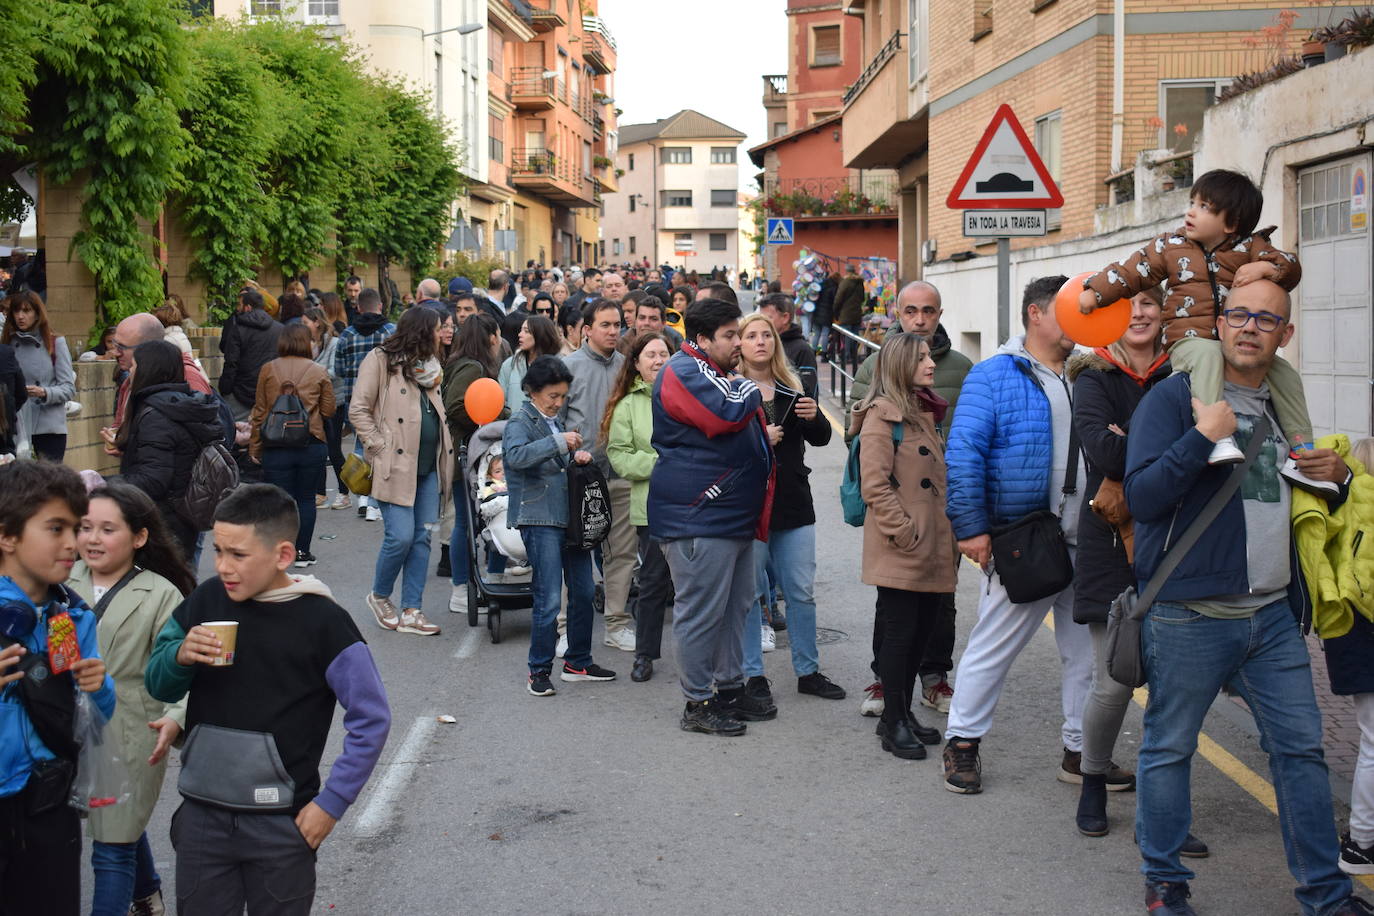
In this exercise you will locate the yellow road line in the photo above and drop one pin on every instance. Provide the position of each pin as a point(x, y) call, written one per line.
point(833, 425)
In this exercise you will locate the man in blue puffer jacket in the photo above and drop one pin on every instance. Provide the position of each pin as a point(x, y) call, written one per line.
point(1008, 456)
point(710, 496)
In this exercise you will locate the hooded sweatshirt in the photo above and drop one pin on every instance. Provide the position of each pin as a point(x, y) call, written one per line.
point(248, 343)
point(297, 653)
point(593, 377)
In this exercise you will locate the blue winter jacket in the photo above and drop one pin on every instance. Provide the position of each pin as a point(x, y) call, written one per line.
point(20, 746)
point(536, 470)
point(1168, 482)
point(714, 474)
point(1001, 446)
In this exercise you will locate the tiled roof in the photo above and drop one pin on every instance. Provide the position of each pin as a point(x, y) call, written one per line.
point(685, 125)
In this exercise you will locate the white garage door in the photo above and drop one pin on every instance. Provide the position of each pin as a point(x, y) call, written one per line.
point(1335, 323)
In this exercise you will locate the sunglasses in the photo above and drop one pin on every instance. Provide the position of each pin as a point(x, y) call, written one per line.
point(543, 311)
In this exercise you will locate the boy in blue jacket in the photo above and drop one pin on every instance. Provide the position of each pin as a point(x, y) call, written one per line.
point(41, 505)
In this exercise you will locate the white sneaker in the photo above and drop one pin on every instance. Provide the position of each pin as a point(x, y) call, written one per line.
point(373, 514)
point(1225, 452)
point(341, 502)
point(1299, 479)
point(562, 648)
point(623, 639)
point(770, 638)
point(519, 570)
point(458, 599)
point(873, 700)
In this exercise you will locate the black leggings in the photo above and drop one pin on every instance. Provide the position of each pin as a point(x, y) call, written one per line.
point(655, 585)
point(333, 438)
point(939, 654)
point(907, 620)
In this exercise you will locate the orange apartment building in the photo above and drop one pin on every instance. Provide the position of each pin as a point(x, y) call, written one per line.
point(839, 211)
point(551, 130)
point(934, 71)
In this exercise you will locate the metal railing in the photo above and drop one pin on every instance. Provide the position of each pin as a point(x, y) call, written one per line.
point(844, 353)
point(834, 195)
point(886, 52)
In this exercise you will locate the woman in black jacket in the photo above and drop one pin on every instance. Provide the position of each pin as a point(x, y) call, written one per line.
point(1107, 386)
point(12, 396)
point(167, 425)
point(794, 419)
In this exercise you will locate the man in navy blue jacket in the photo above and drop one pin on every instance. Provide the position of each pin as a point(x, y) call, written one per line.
point(1233, 612)
point(710, 496)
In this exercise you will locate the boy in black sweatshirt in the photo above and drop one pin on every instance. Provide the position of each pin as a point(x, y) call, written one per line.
point(254, 811)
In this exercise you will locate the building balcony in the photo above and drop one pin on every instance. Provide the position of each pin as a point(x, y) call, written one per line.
point(539, 171)
point(879, 127)
point(530, 90)
point(862, 196)
point(598, 125)
point(544, 15)
point(596, 52)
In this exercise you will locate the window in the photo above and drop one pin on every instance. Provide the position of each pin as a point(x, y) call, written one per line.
point(677, 198)
point(723, 198)
point(722, 155)
point(682, 243)
point(1181, 106)
point(586, 159)
point(496, 52)
point(632, 202)
point(779, 128)
point(1049, 138)
point(916, 41)
point(982, 19)
point(825, 46)
point(615, 246)
point(264, 7)
point(601, 248)
point(632, 244)
point(322, 9)
point(632, 162)
point(718, 241)
point(677, 155)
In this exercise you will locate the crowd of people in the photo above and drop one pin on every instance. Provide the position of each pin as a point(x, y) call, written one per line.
point(1184, 447)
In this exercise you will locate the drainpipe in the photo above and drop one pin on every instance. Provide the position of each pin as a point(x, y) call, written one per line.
point(653, 201)
point(1118, 81)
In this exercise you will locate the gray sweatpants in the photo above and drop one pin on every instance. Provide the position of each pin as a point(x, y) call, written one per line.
point(1104, 710)
point(226, 860)
point(714, 579)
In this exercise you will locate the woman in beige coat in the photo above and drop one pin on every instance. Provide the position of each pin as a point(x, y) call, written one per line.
point(909, 547)
point(398, 413)
point(132, 574)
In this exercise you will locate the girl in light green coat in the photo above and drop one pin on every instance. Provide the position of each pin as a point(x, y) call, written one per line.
point(132, 574)
point(626, 433)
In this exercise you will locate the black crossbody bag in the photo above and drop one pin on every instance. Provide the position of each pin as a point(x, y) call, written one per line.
point(1125, 620)
point(1030, 555)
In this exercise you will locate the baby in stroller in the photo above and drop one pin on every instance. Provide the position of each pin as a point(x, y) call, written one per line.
point(492, 504)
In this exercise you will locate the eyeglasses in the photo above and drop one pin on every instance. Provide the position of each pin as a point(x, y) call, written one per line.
point(122, 348)
point(1267, 322)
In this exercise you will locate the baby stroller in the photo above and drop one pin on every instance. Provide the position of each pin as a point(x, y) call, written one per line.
point(494, 591)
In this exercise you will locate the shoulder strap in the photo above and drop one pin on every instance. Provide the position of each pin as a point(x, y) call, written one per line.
point(104, 603)
point(1071, 473)
point(1205, 517)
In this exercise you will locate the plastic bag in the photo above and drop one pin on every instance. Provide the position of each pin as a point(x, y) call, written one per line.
point(102, 773)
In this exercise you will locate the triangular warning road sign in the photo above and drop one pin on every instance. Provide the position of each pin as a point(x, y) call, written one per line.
point(1004, 171)
point(781, 234)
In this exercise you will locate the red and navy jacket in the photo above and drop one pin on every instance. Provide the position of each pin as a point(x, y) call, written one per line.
point(715, 470)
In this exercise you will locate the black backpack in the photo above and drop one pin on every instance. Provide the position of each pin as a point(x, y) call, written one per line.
point(287, 425)
point(589, 507)
point(213, 476)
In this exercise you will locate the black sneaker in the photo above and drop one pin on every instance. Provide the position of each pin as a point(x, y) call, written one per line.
point(1354, 906)
point(1168, 899)
point(963, 768)
point(589, 673)
point(1356, 859)
point(818, 685)
point(759, 688)
point(540, 685)
point(739, 703)
point(305, 558)
point(704, 716)
point(445, 568)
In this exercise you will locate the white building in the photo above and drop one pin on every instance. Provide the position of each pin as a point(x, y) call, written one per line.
point(679, 196)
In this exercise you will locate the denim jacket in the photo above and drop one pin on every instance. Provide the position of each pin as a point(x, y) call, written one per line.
point(536, 470)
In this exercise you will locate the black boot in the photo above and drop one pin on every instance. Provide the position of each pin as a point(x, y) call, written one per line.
point(1092, 805)
point(897, 740)
point(445, 571)
point(924, 733)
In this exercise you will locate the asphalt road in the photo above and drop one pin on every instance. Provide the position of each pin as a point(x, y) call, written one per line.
point(594, 801)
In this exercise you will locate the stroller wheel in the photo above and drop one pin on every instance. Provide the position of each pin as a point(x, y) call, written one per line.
point(474, 601)
point(494, 622)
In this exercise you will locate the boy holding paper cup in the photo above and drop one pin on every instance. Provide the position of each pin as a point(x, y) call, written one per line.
point(244, 827)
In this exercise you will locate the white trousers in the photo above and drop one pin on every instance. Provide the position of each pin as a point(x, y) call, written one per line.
point(1362, 792)
point(1002, 631)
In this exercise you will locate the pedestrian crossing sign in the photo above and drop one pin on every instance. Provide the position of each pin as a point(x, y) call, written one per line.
point(780, 230)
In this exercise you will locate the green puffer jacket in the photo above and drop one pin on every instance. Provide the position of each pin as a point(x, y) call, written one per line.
point(630, 449)
point(950, 368)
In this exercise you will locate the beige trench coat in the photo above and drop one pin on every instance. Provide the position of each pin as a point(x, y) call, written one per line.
point(385, 412)
point(127, 633)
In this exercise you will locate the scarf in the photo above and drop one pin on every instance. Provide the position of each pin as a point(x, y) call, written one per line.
point(427, 374)
point(932, 402)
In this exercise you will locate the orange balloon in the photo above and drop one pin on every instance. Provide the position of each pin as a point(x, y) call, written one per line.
point(484, 400)
point(1103, 326)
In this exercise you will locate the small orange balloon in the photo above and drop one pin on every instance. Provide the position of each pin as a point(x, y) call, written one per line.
point(1103, 326)
point(484, 400)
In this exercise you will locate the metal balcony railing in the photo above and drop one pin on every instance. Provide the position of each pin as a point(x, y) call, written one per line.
point(864, 194)
point(885, 53)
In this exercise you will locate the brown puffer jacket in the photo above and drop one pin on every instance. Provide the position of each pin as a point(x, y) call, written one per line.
point(1195, 278)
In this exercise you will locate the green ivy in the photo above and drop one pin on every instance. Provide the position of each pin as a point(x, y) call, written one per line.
point(16, 76)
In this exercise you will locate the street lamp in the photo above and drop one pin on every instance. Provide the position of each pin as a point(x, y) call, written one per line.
point(466, 29)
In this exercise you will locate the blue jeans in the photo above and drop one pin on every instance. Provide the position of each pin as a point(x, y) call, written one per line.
point(552, 564)
point(405, 545)
point(297, 471)
point(1188, 658)
point(458, 542)
point(124, 872)
point(792, 556)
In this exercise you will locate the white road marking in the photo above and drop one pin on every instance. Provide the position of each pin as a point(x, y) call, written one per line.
point(467, 647)
point(380, 805)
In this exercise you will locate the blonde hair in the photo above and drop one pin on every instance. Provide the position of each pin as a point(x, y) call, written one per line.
point(1363, 452)
point(898, 361)
point(782, 369)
